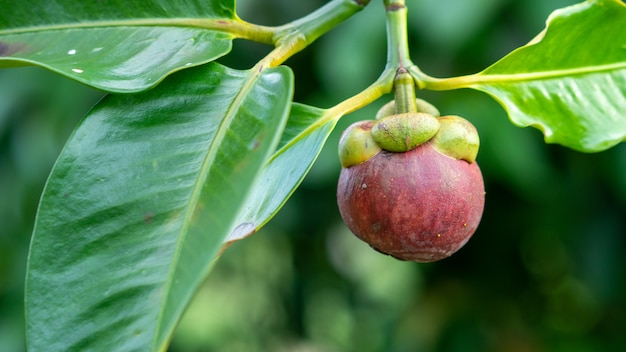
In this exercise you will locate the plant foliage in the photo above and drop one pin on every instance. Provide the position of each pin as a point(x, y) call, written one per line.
point(151, 186)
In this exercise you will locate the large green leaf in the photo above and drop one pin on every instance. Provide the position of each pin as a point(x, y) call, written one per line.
point(120, 45)
point(140, 202)
point(570, 82)
point(307, 130)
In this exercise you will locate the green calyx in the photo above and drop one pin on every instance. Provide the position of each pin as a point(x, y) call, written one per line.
point(457, 139)
point(406, 122)
point(406, 131)
point(421, 105)
point(356, 144)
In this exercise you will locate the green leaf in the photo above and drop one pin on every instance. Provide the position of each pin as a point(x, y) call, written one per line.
point(119, 46)
point(140, 202)
point(307, 130)
point(571, 82)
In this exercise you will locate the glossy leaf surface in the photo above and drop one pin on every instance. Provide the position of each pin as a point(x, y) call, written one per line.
point(140, 202)
point(113, 45)
point(571, 81)
point(307, 130)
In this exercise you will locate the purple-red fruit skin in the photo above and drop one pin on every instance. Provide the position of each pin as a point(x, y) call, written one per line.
point(418, 205)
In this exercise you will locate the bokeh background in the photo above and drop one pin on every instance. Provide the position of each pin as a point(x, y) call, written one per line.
point(545, 271)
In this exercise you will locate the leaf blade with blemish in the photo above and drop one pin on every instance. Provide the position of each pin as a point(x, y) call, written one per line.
point(307, 130)
point(139, 203)
point(119, 46)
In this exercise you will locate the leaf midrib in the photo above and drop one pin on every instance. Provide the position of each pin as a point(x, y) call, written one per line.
point(197, 191)
point(182, 21)
point(235, 27)
point(480, 78)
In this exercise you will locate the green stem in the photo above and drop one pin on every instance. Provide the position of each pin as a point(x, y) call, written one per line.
point(382, 86)
point(398, 57)
point(398, 47)
point(404, 92)
point(398, 61)
point(322, 20)
point(424, 81)
point(397, 38)
point(242, 29)
point(295, 36)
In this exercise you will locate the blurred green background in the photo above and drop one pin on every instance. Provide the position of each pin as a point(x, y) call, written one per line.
point(545, 271)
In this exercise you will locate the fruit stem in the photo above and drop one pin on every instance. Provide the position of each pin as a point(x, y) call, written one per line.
point(404, 91)
point(398, 57)
point(398, 48)
point(397, 38)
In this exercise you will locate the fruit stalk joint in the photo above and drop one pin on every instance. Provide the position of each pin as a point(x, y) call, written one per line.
point(404, 92)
